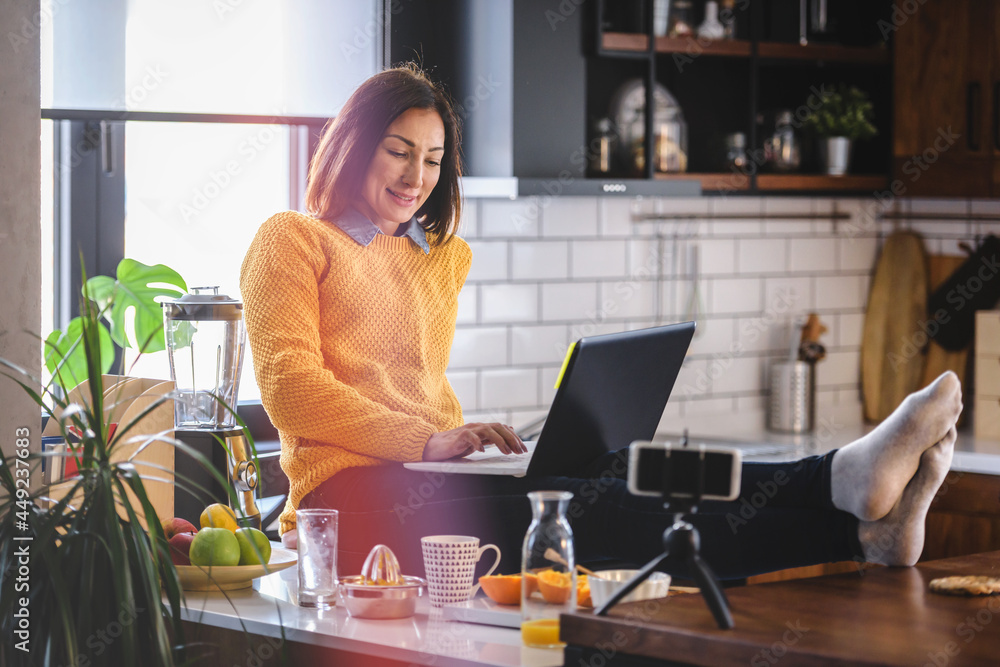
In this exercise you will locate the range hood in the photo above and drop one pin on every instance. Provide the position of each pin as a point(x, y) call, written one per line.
point(518, 81)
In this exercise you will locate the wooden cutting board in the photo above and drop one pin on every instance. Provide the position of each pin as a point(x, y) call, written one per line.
point(892, 348)
point(939, 359)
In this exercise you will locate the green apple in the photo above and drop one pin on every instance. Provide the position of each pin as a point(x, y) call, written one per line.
point(255, 549)
point(214, 547)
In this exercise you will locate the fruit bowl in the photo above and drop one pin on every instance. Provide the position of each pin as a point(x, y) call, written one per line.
point(233, 577)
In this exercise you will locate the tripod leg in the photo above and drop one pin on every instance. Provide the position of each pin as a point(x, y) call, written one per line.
point(639, 577)
point(712, 591)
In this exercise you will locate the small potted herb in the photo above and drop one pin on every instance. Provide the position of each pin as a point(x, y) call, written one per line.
point(839, 117)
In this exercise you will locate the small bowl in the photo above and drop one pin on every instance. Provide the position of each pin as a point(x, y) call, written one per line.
point(368, 601)
point(601, 589)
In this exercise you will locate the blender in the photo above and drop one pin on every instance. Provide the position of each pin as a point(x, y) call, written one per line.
point(206, 341)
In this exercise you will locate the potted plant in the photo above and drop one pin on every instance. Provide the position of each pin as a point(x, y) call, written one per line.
point(839, 118)
point(82, 577)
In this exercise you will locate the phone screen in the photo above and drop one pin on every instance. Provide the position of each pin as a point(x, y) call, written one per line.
point(684, 472)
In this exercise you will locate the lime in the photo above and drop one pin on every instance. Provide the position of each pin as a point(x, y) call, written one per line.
point(255, 549)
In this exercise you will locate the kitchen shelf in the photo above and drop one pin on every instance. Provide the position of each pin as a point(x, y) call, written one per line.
point(719, 182)
point(638, 43)
point(824, 52)
point(860, 182)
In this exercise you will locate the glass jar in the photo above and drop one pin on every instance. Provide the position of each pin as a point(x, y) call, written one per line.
point(781, 150)
point(680, 19)
point(736, 152)
point(602, 148)
point(548, 568)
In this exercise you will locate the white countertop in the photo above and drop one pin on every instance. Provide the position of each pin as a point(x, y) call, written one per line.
point(423, 639)
point(836, 426)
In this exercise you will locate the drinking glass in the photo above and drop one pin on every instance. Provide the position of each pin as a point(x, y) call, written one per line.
point(317, 536)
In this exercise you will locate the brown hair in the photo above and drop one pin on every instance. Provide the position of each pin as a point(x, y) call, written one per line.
point(338, 167)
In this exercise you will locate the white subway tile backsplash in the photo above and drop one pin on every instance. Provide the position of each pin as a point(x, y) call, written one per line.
point(713, 337)
point(538, 344)
point(489, 260)
point(731, 375)
point(572, 217)
point(850, 329)
point(952, 206)
point(813, 255)
point(858, 253)
point(839, 368)
point(568, 301)
point(509, 303)
point(788, 296)
point(735, 295)
point(540, 260)
point(985, 206)
point(741, 205)
point(467, 305)
point(718, 256)
point(548, 383)
point(597, 259)
point(479, 346)
point(787, 205)
point(466, 386)
point(510, 219)
point(548, 271)
point(644, 259)
point(627, 299)
point(487, 416)
point(614, 216)
point(834, 292)
point(505, 388)
point(952, 246)
point(469, 226)
point(762, 255)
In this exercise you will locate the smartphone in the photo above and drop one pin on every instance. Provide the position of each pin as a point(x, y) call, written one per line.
point(648, 460)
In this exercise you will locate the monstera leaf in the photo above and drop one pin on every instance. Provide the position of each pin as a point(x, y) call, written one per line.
point(66, 357)
point(136, 290)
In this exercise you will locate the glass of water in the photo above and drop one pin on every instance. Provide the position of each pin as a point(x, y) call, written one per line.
point(317, 538)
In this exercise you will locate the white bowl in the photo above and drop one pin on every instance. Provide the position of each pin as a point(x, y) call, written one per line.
point(601, 589)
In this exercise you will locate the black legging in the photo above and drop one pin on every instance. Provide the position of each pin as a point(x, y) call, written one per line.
point(783, 518)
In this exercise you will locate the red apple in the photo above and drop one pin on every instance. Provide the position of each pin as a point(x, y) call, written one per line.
point(176, 526)
point(180, 546)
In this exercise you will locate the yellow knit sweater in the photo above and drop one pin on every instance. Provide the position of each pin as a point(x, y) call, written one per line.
point(350, 345)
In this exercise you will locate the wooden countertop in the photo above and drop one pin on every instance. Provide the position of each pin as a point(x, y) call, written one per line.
point(882, 616)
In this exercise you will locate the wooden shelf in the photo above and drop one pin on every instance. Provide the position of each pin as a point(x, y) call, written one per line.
point(827, 52)
point(639, 43)
point(720, 182)
point(869, 182)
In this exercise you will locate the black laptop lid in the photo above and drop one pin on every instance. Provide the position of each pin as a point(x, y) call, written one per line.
point(613, 391)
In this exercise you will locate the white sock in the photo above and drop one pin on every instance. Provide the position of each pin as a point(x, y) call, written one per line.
point(868, 476)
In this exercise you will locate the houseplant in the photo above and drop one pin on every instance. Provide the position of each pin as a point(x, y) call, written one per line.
point(839, 118)
point(93, 578)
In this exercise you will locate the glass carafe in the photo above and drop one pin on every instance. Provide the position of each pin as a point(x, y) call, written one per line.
point(548, 582)
point(205, 341)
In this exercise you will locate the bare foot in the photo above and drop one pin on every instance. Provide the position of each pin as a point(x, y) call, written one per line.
point(898, 537)
point(868, 476)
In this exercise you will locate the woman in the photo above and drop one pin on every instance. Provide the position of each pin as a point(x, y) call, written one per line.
point(350, 311)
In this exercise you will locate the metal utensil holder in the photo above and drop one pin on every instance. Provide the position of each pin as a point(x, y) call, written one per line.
point(792, 403)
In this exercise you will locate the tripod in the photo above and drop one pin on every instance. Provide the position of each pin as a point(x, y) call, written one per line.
point(681, 544)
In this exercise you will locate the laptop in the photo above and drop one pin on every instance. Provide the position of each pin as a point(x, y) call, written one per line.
point(611, 391)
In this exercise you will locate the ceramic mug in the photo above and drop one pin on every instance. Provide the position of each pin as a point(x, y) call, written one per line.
point(450, 565)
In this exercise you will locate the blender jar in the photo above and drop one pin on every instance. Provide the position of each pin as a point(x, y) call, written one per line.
point(205, 338)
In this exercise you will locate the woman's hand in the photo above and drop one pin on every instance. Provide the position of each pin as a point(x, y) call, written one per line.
point(474, 437)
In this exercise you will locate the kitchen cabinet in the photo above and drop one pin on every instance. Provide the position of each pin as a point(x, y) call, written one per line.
point(532, 77)
point(947, 99)
point(739, 85)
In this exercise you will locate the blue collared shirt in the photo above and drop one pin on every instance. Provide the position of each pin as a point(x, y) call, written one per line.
point(356, 225)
